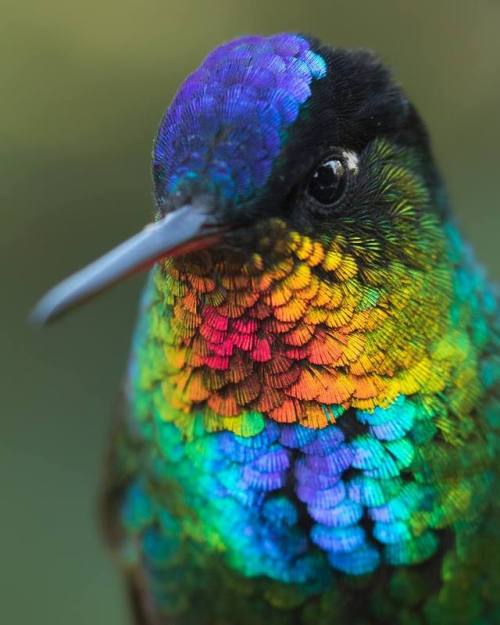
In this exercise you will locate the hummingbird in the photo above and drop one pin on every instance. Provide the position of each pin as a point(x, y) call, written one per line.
point(309, 432)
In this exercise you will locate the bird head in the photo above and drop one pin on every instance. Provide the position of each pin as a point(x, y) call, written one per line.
point(296, 193)
point(280, 134)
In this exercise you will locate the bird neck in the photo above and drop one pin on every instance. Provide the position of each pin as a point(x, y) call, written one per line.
point(299, 339)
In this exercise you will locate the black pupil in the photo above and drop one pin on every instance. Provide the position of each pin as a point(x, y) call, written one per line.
point(327, 182)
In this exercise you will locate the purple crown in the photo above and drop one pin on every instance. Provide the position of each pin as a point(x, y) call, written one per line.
point(226, 125)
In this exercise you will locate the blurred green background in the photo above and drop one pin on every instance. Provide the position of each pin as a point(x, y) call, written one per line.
point(84, 85)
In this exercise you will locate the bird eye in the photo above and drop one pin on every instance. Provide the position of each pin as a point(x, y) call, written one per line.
point(328, 181)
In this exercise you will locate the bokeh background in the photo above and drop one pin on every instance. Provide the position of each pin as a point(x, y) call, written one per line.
point(84, 85)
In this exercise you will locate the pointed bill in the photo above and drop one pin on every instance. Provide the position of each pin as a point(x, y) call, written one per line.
point(183, 230)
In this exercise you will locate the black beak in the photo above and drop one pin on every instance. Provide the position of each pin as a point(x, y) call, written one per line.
point(186, 229)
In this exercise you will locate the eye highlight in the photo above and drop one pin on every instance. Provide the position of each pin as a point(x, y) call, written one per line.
point(328, 181)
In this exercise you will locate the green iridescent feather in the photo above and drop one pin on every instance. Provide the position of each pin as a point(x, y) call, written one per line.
point(311, 423)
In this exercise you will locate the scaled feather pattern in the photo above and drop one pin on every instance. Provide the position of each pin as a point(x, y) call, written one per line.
point(311, 421)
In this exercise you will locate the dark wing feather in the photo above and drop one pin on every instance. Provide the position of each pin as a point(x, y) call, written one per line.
point(120, 468)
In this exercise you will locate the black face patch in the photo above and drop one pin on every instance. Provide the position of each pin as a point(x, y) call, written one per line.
point(357, 102)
